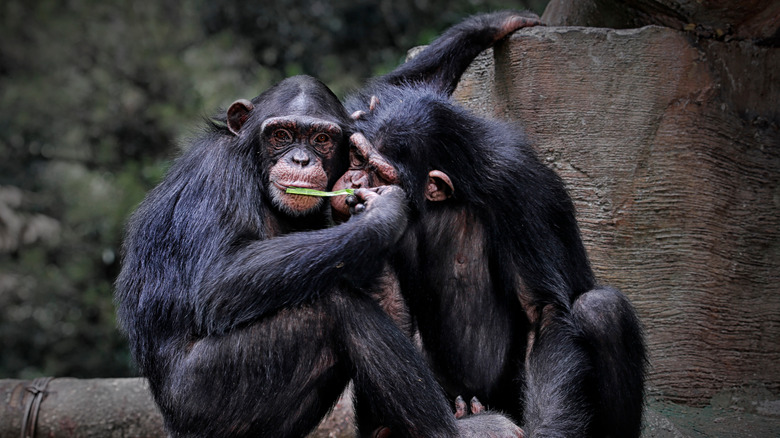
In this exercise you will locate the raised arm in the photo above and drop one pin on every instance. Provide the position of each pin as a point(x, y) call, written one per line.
point(443, 61)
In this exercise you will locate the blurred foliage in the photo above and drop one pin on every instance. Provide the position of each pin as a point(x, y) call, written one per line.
point(96, 96)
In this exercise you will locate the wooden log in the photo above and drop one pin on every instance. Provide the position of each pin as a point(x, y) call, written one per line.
point(72, 408)
point(121, 408)
point(670, 147)
point(81, 408)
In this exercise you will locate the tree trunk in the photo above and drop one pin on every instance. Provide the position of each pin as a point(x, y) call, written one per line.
point(81, 408)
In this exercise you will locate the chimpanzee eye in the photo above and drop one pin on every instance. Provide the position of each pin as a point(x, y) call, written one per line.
point(282, 135)
point(356, 160)
point(322, 138)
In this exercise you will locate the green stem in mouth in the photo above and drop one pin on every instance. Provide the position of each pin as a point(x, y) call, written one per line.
point(312, 192)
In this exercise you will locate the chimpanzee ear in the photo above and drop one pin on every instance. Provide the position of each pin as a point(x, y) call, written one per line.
point(237, 114)
point(439, 186)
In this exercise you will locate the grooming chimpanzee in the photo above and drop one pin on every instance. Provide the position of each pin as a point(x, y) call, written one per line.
point(244, 313)
point(492, 266)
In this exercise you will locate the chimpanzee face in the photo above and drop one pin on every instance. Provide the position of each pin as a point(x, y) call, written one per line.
point(368, 168)
point(301, 151)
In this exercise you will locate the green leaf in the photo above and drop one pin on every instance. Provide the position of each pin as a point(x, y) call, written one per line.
point(312, 192)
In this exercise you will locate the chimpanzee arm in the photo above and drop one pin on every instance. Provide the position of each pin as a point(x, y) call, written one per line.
point(261, 277)
point(443, 62)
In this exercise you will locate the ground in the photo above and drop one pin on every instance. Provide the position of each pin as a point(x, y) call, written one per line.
point(745, 413)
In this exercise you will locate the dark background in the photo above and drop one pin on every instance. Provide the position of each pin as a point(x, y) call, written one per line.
point(95, 99)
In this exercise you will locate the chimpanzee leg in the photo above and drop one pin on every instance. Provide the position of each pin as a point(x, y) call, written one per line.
point(585, 370)
point(393, 385)
point(610, 325)
point(280, 376)
point(275, 378)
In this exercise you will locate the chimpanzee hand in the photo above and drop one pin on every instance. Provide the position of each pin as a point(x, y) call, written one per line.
point(384, 207)
point(364, 199)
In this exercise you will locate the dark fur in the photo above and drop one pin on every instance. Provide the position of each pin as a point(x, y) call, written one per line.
point(249, 322)
point(497, 278)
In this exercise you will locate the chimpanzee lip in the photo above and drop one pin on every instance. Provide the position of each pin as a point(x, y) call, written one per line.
point(283, 186)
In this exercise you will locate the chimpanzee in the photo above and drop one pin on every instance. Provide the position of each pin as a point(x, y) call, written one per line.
point(246, 314)
point(492, 265)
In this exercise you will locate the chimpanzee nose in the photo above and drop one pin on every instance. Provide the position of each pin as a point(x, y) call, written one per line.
point(301, 158)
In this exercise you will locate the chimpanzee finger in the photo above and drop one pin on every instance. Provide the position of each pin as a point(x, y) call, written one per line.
point(384, 190)
point(357, 209)
point(460, 408)
point(381, 190)
point(366, 196)
point(359, 201)
point(355, 204)
point(476, 406)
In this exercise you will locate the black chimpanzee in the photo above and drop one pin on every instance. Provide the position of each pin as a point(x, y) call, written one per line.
point(246, 315)
point(492, 266)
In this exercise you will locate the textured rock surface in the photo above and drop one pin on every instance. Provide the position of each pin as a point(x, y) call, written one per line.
point(670, 146)
point(756, 20)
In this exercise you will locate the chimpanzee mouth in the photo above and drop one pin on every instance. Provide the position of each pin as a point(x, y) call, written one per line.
point(283, 186)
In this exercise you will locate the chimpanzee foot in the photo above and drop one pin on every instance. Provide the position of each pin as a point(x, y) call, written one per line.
point(460, 408)
point(476, 407)
point(475, 421)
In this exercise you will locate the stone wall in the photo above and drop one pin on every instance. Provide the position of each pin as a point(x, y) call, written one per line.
point(670, 145)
